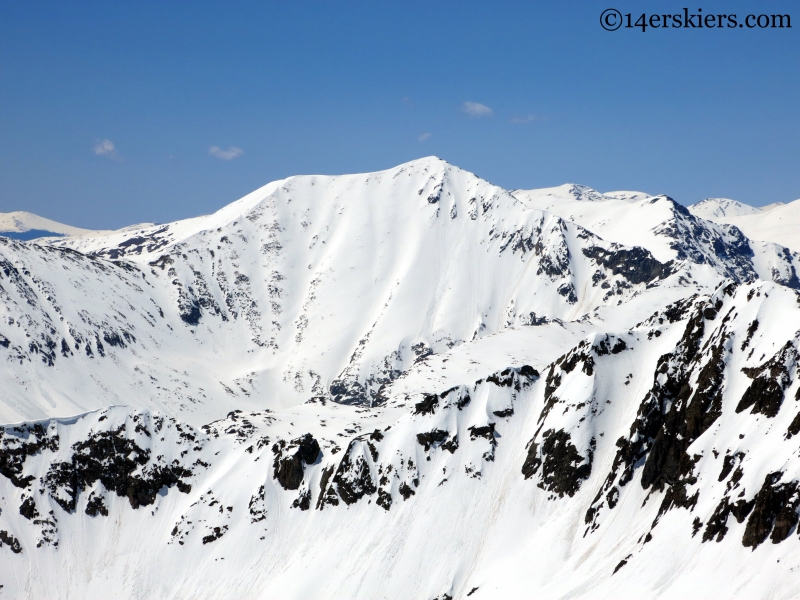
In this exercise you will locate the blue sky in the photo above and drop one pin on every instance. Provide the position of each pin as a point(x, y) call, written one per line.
point(111, 111)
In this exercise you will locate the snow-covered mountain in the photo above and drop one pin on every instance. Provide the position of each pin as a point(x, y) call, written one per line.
point(21, 225)
point(312, 286)
point(404, 384)
point(715, 208)
point(778, 222)
point(669, 231)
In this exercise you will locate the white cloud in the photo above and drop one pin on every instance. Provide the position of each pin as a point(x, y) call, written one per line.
point(424, 137)
point(526, 119)
point(106, 148)
point(476, 109)
point(229, 154)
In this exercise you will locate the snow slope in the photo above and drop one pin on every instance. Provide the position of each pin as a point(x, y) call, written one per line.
point(312, 286)
point(636, 464)
point(25, 226)
point(669, 231)
point(403, 384)
point(716, 208)
point(778, 223)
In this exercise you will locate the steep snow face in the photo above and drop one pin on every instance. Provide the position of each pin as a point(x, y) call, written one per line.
point(777, 223)
point(79, 332)
point(641, 462)
point(434, 388)
point(714, 208)
point(312, 286)
point(21, 225)
point(670, 232)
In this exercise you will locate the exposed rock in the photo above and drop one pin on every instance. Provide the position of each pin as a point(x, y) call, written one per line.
point(120, 464)
point(636, 264)
point(288, 470)
point(429, 439)
point(353, 478)
point(10, 541)
point(563, 468)
point(775, 512)
point(18, 443)
point(770, 380)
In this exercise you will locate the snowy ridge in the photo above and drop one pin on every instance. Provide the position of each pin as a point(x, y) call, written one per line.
point(314, 286)
point(404, 384)
point(778, 223)
point(671, 232)
point(713, 208)
point(25, 225)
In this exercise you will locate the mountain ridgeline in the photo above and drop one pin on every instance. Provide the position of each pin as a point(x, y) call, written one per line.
point(403, 384)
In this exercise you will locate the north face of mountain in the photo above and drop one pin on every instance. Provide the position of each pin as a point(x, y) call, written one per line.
point(311, 287)
point(403, 384)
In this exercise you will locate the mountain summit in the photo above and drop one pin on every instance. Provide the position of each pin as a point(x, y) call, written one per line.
point(21, 225)
point(328, 387)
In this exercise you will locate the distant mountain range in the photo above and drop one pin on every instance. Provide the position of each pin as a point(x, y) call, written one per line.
point(21, 225)
point(405, 384)
point(776, 222)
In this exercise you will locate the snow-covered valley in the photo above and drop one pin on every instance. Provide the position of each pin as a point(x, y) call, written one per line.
point(404, 384)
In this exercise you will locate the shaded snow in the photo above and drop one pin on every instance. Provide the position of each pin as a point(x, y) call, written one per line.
point(778, 223)
point(404, 384)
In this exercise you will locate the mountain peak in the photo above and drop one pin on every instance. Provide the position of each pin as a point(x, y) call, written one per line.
point(23, 225)
point(546, 387)
point(722, 207)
